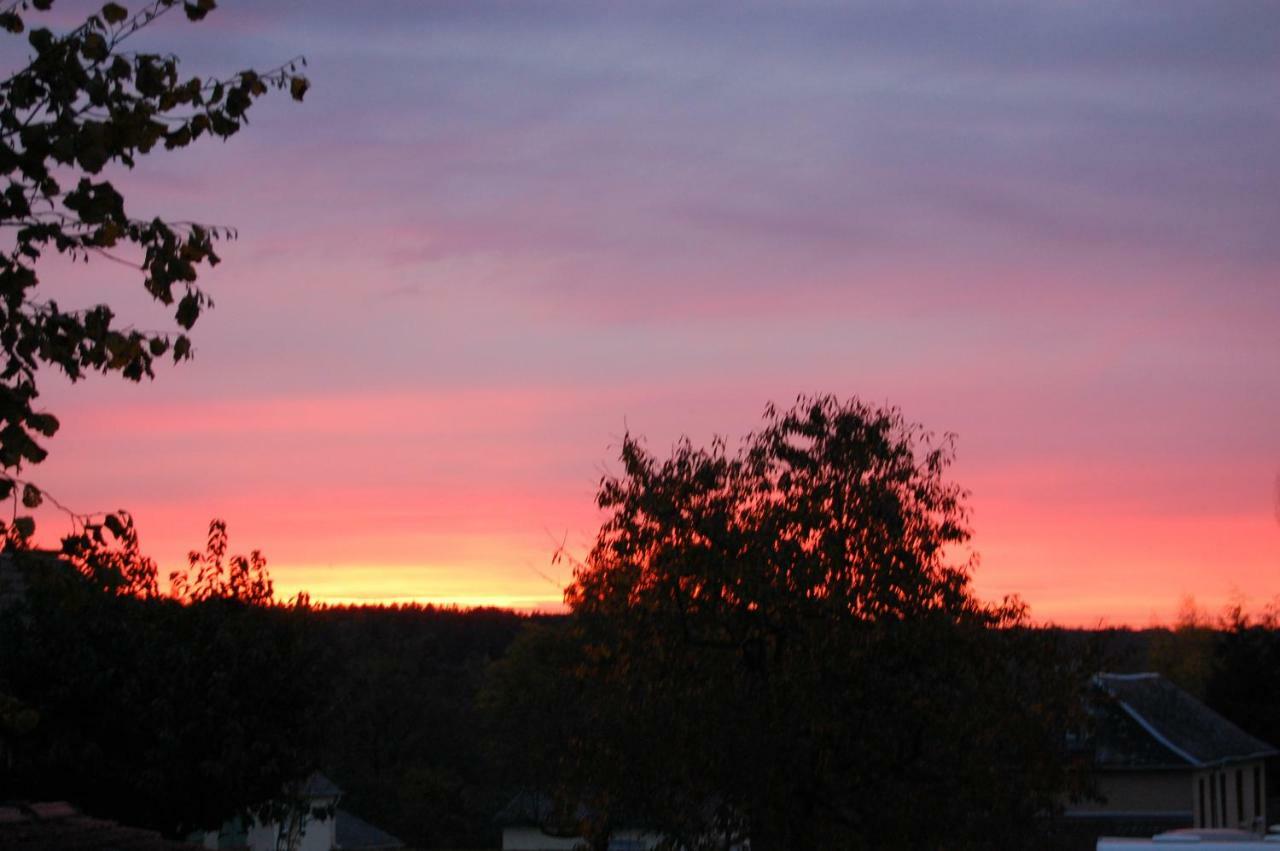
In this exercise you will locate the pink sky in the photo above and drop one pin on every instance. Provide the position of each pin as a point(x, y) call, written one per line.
point(499, 234)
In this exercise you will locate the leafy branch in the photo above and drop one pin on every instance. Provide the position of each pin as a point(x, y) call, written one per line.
point(79, 104)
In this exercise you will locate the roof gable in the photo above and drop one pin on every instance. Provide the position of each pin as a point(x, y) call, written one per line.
point(355, 834)
point(1182, 728)
point(57, 826)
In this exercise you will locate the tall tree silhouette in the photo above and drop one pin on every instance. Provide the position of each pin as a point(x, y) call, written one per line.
point(784, 643)
point(174, 713)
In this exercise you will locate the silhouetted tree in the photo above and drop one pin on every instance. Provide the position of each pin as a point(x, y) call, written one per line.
point(779, 643)
point(212, 575)
point(81, 103)
point(407, 744)
point(175, 714)
point(1184, 652)
point(1244, 678)
point(109, 555)
point(535, 705)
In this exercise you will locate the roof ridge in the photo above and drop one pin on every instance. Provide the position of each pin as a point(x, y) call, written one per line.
point(1181, 722)
point(1156, 734)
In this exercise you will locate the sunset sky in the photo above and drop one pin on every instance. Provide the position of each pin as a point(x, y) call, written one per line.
point(496, 236)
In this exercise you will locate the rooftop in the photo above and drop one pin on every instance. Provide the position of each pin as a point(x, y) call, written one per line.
point(1160, 725)
point(57, 826)
point(355, 834)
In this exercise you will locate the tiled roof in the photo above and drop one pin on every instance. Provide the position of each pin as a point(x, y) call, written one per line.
point(1160, 725)
point(533, 809)
point(59, 827)
point(353, 833)
point(319, 786)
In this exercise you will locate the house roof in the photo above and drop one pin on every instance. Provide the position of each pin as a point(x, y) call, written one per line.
point(353, 833)
point(57, 826)
point(1159, 725)
point(526, 808)
point(320, 786)
point(533, 809)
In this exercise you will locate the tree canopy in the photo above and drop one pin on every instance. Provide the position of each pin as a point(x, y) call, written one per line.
point(783, 642)
point(82, 103)
point(1244, 672)
point(174, 712)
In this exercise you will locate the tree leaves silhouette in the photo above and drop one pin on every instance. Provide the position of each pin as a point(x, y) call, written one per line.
point(81, 103)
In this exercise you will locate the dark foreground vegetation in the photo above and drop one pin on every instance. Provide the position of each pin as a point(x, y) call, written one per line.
point(770, 643)
point(168, 716)
point(780, 642)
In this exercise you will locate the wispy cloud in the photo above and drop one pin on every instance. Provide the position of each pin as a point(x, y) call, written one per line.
point(497, 231)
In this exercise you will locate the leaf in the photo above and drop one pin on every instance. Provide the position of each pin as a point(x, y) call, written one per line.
point(114, 13)
point(94, 47)
point(6, 487)
point(197, 10)
point(181, 349)
point(41, 39)
point(24, 527)
point(11, 22)
point(121, 69)
point(31, 497)
point(114, 524)
point(46, 424)
point(298, 87)
point(188, 310)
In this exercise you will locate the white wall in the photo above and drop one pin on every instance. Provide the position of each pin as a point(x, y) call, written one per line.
point(532, 839)
point(1222, 806)
point(318, 835)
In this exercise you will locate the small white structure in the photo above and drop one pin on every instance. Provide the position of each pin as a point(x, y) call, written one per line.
point(310, 827)
point(314, 824)
point(1163, 760)
point(1200, 839)
point(528, 838)
point(525, 820)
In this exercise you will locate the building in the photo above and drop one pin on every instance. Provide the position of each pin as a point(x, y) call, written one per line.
point(530, 822)
point(1163, 760)
point(315, 823)
point(57, 826)
point(352, 833)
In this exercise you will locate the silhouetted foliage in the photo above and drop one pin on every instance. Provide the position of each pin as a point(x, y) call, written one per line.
point(212, 575)
point(177, 711)
point(157, 712)
point(82, 103)
point(1184, 652)
point(535, 705)
point(1244, 680)
point(407, 743)
point(108, 554)
point(777, 644)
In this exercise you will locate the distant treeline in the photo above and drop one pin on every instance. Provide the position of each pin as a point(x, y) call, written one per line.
point(406, 739)
point(173, 716)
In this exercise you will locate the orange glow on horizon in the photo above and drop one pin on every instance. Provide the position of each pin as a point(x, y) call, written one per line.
point(384, 585)
point(454, 291)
